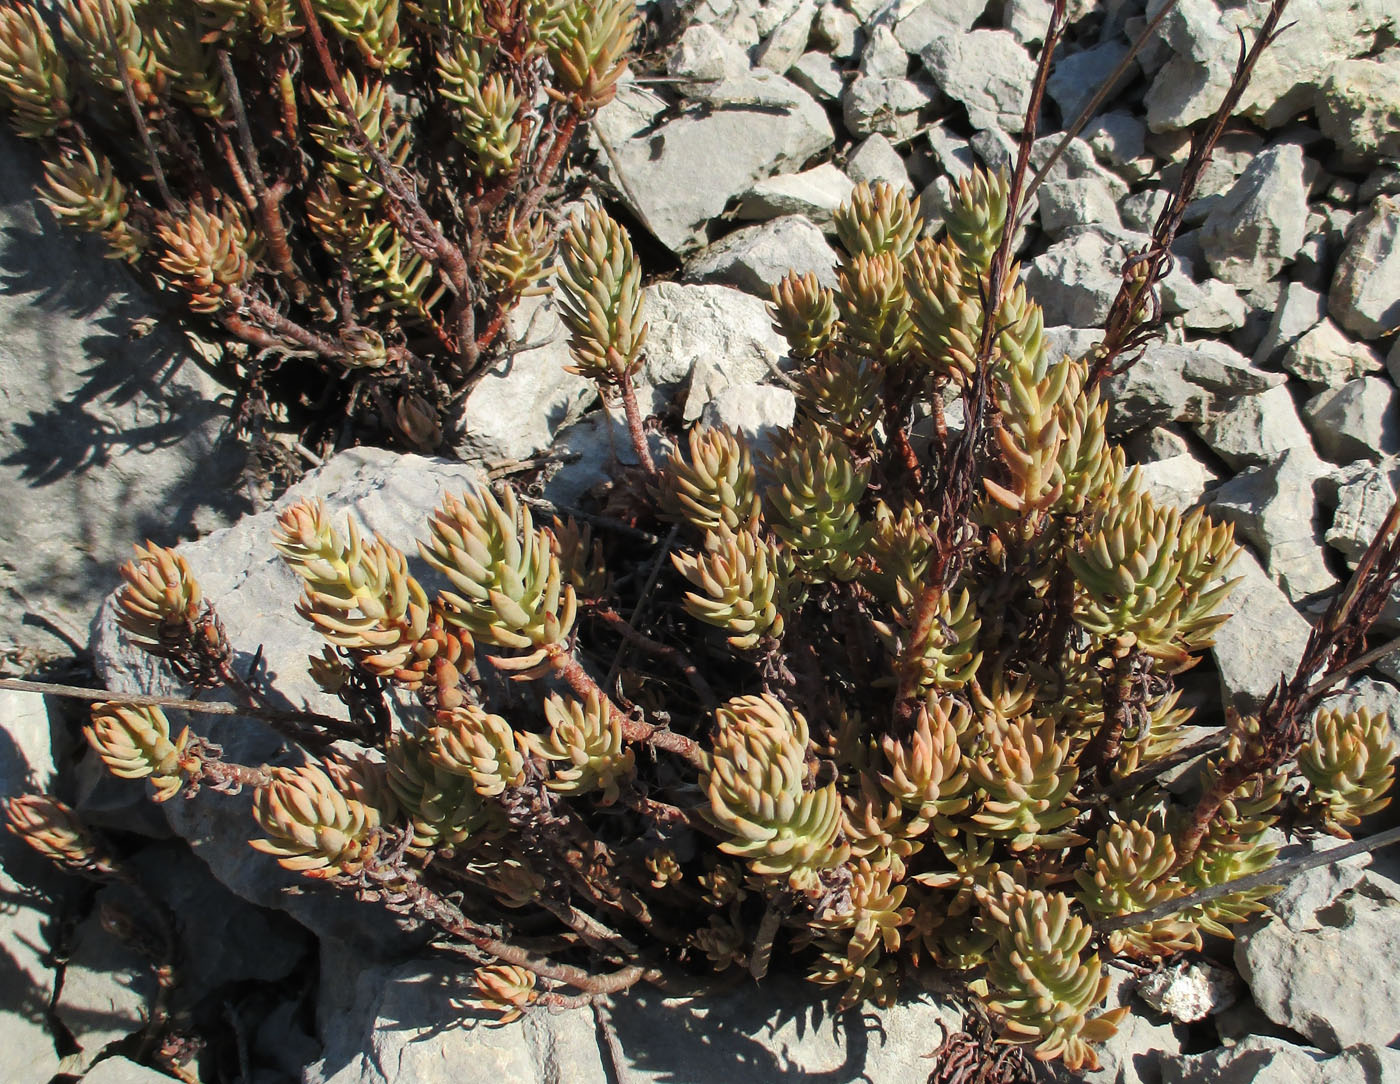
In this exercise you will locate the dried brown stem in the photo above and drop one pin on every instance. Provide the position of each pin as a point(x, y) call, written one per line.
point(138, 118)
point(669, 652)
point(635, 429)
point(1127, 328)
point(582, 683)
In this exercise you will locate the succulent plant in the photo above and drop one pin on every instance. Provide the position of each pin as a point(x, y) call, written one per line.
point(360, 186)
point(880, 705)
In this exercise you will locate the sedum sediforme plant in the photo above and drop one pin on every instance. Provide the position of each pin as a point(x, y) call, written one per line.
point(362, 185)
point(897, 698)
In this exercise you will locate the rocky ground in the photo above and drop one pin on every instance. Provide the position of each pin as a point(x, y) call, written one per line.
point(1272, 402)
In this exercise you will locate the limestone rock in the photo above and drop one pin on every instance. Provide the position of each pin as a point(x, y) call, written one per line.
point(758, 410)
point(1076, 279)
point(1273, 507)
point(1077, 78)
point(753, 1035)
point(1027, 20)
point(107, 986)
point(1132, 1054)
point(26, 766)
point(1070, 204)
point(1208, 306)
point(883, 55)
point(876, 159)
point(1359, 420)
point(1362, 504)
point(1336, 985)
point(1260, 224)
point(1255, 428)
point(1152, 392)
point(838, 31)
point(923, 22)
point(816, 193)
point(1358, 107)
point(756, 258)
point(1305, 894)
point(1265, 1060)
point(703, 53)
point(106, 437)
point(1365, 296)
point(788, 40)
point(1298, 311)
point(1262, 640)
point(704, 338)
point(763, 125)
point(985, 70)
point(1325, 356)
point(254, 593)
point(118, 1070)
point(1179, 480)
point(819, 75)
point(519, 405)
point(890, 106)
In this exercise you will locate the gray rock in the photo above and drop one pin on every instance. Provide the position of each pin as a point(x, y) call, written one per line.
point(985, 70)
point(1131, 1055)
point(921, 23)
point(883, 55)
point(1204, 36)
point(819, 75)
point(876, 159)
point(837, 31)
point(703, 53)
point(1365, 296)
point(519, 405)
point(108, 435)
point(768, 17)
point(815, 192)
point(1262, 640)
point(1359, 420)
point(1152, 392)
point(1298, 311)
point(1075, 342)
point(758, 410)
point(1190, 990)
point(951, 154)
point(254, 592)
point(1267, 1060)
point(1027, 20)
point(891, 107)
point(1155, 445)
point(1392, 361)
point(1208, 306)
point(107, 986)
point(26, 766)
point(1305, 894)
point(1075, 79)
point(1259, 225)
point(704, 338)
point(1358, 107)
point(756, 1034)
point(1179, 480)
point(118, 1070)
point(1273, 507)
point(1336, 985)
point(1324, 356)
point(1076, 279)
point(1255, 428)
point(788, 40)
point(1118, 139)
point(1076, 161)
point(755, 258)
point(1141, 209)
point(1363, 500)
point(766, 125)
point(1217, 368)
point(1070, 204)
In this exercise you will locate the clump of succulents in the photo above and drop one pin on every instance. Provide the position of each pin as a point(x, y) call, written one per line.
point(915, 718)
point(362, 185)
